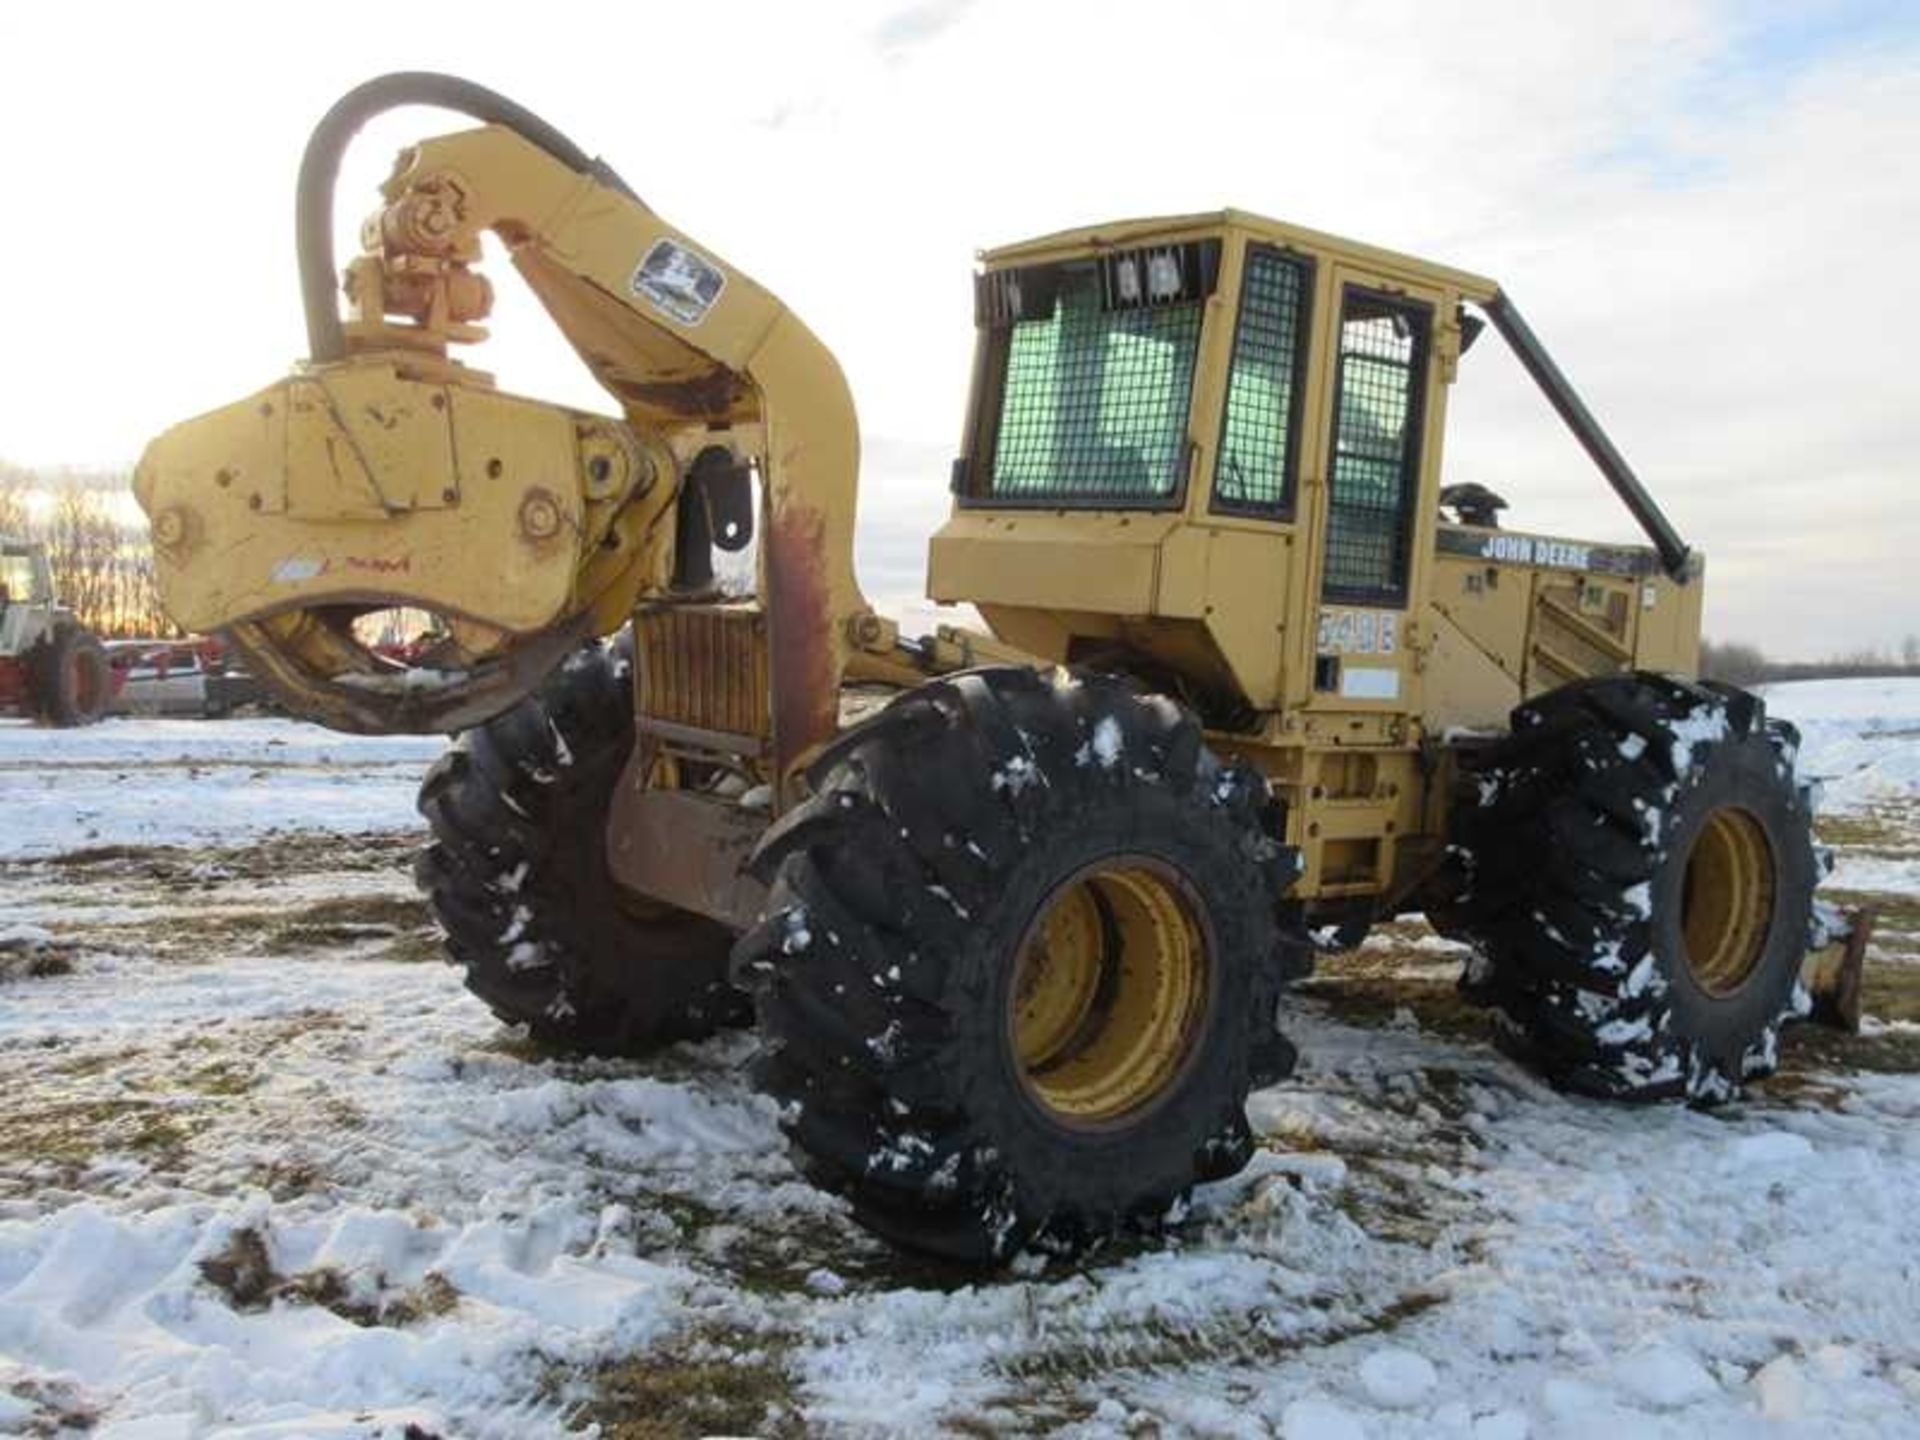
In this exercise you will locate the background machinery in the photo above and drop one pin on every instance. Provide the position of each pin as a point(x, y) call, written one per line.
point(51, 666)
point(1014, 910)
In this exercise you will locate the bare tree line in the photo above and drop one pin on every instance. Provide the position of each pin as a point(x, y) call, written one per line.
point(1738, 663)
point(102, 566)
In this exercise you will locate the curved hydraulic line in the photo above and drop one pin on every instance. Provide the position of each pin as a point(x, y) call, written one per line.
point(320, 169)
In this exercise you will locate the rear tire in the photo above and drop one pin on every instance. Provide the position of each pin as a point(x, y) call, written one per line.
point(517, 874)
point(1019, 963)
point(73, 680)
point(1640, 874)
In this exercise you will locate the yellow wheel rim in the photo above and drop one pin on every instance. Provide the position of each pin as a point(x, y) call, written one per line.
point(1110, 988)
point(1728, 902)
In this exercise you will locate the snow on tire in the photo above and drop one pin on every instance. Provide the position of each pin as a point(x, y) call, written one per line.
point(1640, 873)
point(1020, 962)
point(517, 875)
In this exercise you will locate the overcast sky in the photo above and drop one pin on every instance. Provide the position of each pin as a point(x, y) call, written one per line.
point(1709, 212)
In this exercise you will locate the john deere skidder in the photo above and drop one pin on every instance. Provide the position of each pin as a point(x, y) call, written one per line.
point(1016, 933)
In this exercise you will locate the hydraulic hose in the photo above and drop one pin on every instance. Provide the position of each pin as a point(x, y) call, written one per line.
point(320, 169)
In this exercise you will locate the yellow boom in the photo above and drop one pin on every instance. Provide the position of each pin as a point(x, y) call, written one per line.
point(384, 473)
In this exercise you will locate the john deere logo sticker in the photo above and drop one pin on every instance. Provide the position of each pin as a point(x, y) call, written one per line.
point(678, 282)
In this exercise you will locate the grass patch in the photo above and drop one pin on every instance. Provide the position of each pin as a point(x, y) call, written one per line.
point(288, 1180)
point(722, 1382)
point(352, 920)
point(1811, 1048)
point(221, 1078)
point(1896, 917)
point(1882, 830)
point(272, 858)
point(71, 1134)
point(1161, 1344)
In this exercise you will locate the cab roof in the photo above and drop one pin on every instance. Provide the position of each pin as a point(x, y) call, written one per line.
point(1113, 234)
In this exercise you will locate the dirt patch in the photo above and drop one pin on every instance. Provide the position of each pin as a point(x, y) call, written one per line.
point(41, 964)
point(243, 1272)
point(1885, 831)
point(58, 1410)
point(1377, 1001)
point(29, 953)
point(331, 1290)
point(721, 1382)
point(272, 857)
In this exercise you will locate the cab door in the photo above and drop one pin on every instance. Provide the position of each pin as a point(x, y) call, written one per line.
point(1381, 433)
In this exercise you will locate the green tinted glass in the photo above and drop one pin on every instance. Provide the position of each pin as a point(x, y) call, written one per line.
point(1095, 401)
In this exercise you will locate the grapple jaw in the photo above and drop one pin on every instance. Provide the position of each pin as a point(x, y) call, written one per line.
point(393, 553)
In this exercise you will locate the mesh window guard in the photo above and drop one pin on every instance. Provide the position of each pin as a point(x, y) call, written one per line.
point(1383, 351)
point(1094, 406)
point(1254, 470)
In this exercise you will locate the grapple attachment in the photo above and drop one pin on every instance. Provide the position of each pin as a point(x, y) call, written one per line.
point(384, 483)
point(397, 554)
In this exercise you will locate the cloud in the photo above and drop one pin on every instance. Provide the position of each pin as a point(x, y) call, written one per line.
point(913, 26)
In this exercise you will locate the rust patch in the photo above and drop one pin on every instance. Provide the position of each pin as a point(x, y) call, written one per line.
point(805, 654)
point(715, 394)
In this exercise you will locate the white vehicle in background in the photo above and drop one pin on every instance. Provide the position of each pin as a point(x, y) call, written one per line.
point(178, 678)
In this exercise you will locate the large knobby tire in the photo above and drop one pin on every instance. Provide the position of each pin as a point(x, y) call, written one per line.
point(1020, 962)
point(1641, 870)
point(517, 874)
point(73, 681)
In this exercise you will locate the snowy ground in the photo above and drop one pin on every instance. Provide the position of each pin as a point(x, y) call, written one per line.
point(144, 782)
point(265, 1170)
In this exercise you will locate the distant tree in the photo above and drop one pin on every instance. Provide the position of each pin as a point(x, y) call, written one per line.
point(13, 502)
point(1910, 652)
point(102, 568)
point(1734, 663)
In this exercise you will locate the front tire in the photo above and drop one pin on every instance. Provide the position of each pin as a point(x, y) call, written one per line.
point(1019, 963)
point(1641, 873)
point(517, 875)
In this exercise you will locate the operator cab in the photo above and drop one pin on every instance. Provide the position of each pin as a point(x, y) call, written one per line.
point(1207, 449)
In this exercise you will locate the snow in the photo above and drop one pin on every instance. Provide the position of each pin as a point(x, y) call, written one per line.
point(461, 1232)
point(1665, 1378)
point(1702, 726)
point(167, 782)
point(1857, 737)
point(1320, 1420)
point(1397, 1379)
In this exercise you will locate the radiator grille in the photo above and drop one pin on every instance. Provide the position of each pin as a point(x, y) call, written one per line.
point(705, 667)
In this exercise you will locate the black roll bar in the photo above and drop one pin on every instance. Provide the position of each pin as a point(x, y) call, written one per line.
point(1560, 393)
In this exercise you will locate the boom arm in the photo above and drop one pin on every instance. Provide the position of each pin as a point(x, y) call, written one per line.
point(385, 474)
